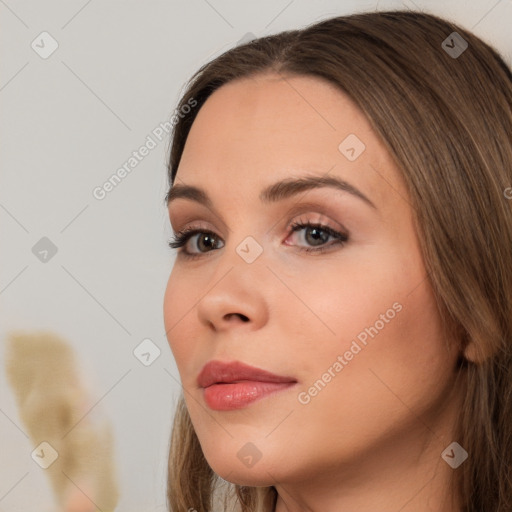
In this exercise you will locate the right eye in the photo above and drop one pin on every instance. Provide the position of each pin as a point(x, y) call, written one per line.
point(181, 238)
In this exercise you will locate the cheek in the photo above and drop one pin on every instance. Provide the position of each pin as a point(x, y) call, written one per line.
point(380, 388)
point(169, 308)
point(178, 300)
point(416, 346)
point(377, 314)
point(342, 298)
point(395, 363)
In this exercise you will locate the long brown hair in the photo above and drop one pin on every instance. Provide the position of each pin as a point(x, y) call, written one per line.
point(444, 113)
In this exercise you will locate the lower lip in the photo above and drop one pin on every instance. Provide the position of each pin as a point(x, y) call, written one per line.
point(226, 397)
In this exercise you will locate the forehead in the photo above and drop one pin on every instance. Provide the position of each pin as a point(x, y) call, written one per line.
point(254, 131)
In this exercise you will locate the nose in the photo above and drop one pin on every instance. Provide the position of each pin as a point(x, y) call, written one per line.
point(230, 305)
point(238, 297)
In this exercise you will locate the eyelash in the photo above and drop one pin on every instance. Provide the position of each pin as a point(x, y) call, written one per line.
point(181, 238)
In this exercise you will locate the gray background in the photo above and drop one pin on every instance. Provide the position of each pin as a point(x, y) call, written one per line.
point(68, 123)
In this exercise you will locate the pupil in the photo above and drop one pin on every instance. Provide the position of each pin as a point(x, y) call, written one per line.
point(207, 237)
point(316, 238)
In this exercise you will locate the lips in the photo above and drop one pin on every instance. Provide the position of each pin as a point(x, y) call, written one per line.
point(217, 372)
point(229, 386)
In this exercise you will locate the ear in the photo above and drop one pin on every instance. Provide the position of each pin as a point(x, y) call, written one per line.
point(474, 352)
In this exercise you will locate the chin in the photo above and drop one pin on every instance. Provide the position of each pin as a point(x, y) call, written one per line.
point(240, 469)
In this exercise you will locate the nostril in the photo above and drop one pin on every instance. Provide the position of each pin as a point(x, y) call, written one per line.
point(242, 317)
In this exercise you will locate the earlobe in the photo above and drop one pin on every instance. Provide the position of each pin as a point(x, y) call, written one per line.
point(474, 352)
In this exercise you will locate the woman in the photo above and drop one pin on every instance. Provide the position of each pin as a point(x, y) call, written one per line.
point(347, 343)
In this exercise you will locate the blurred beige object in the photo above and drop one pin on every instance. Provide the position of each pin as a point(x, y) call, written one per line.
point(71, 444)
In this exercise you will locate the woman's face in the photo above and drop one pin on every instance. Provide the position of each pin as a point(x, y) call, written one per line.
point(354, 327)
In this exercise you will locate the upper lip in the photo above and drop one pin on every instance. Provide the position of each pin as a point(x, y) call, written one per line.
point(215, 372)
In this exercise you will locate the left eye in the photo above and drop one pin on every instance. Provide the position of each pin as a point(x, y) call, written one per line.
point(315, 234)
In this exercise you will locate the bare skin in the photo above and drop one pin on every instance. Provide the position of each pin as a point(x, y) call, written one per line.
point(371, 438)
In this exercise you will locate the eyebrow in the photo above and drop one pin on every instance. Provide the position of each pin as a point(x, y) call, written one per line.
point(278, 191)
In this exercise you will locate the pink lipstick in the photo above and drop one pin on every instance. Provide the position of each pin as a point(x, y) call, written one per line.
point(235, 385)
